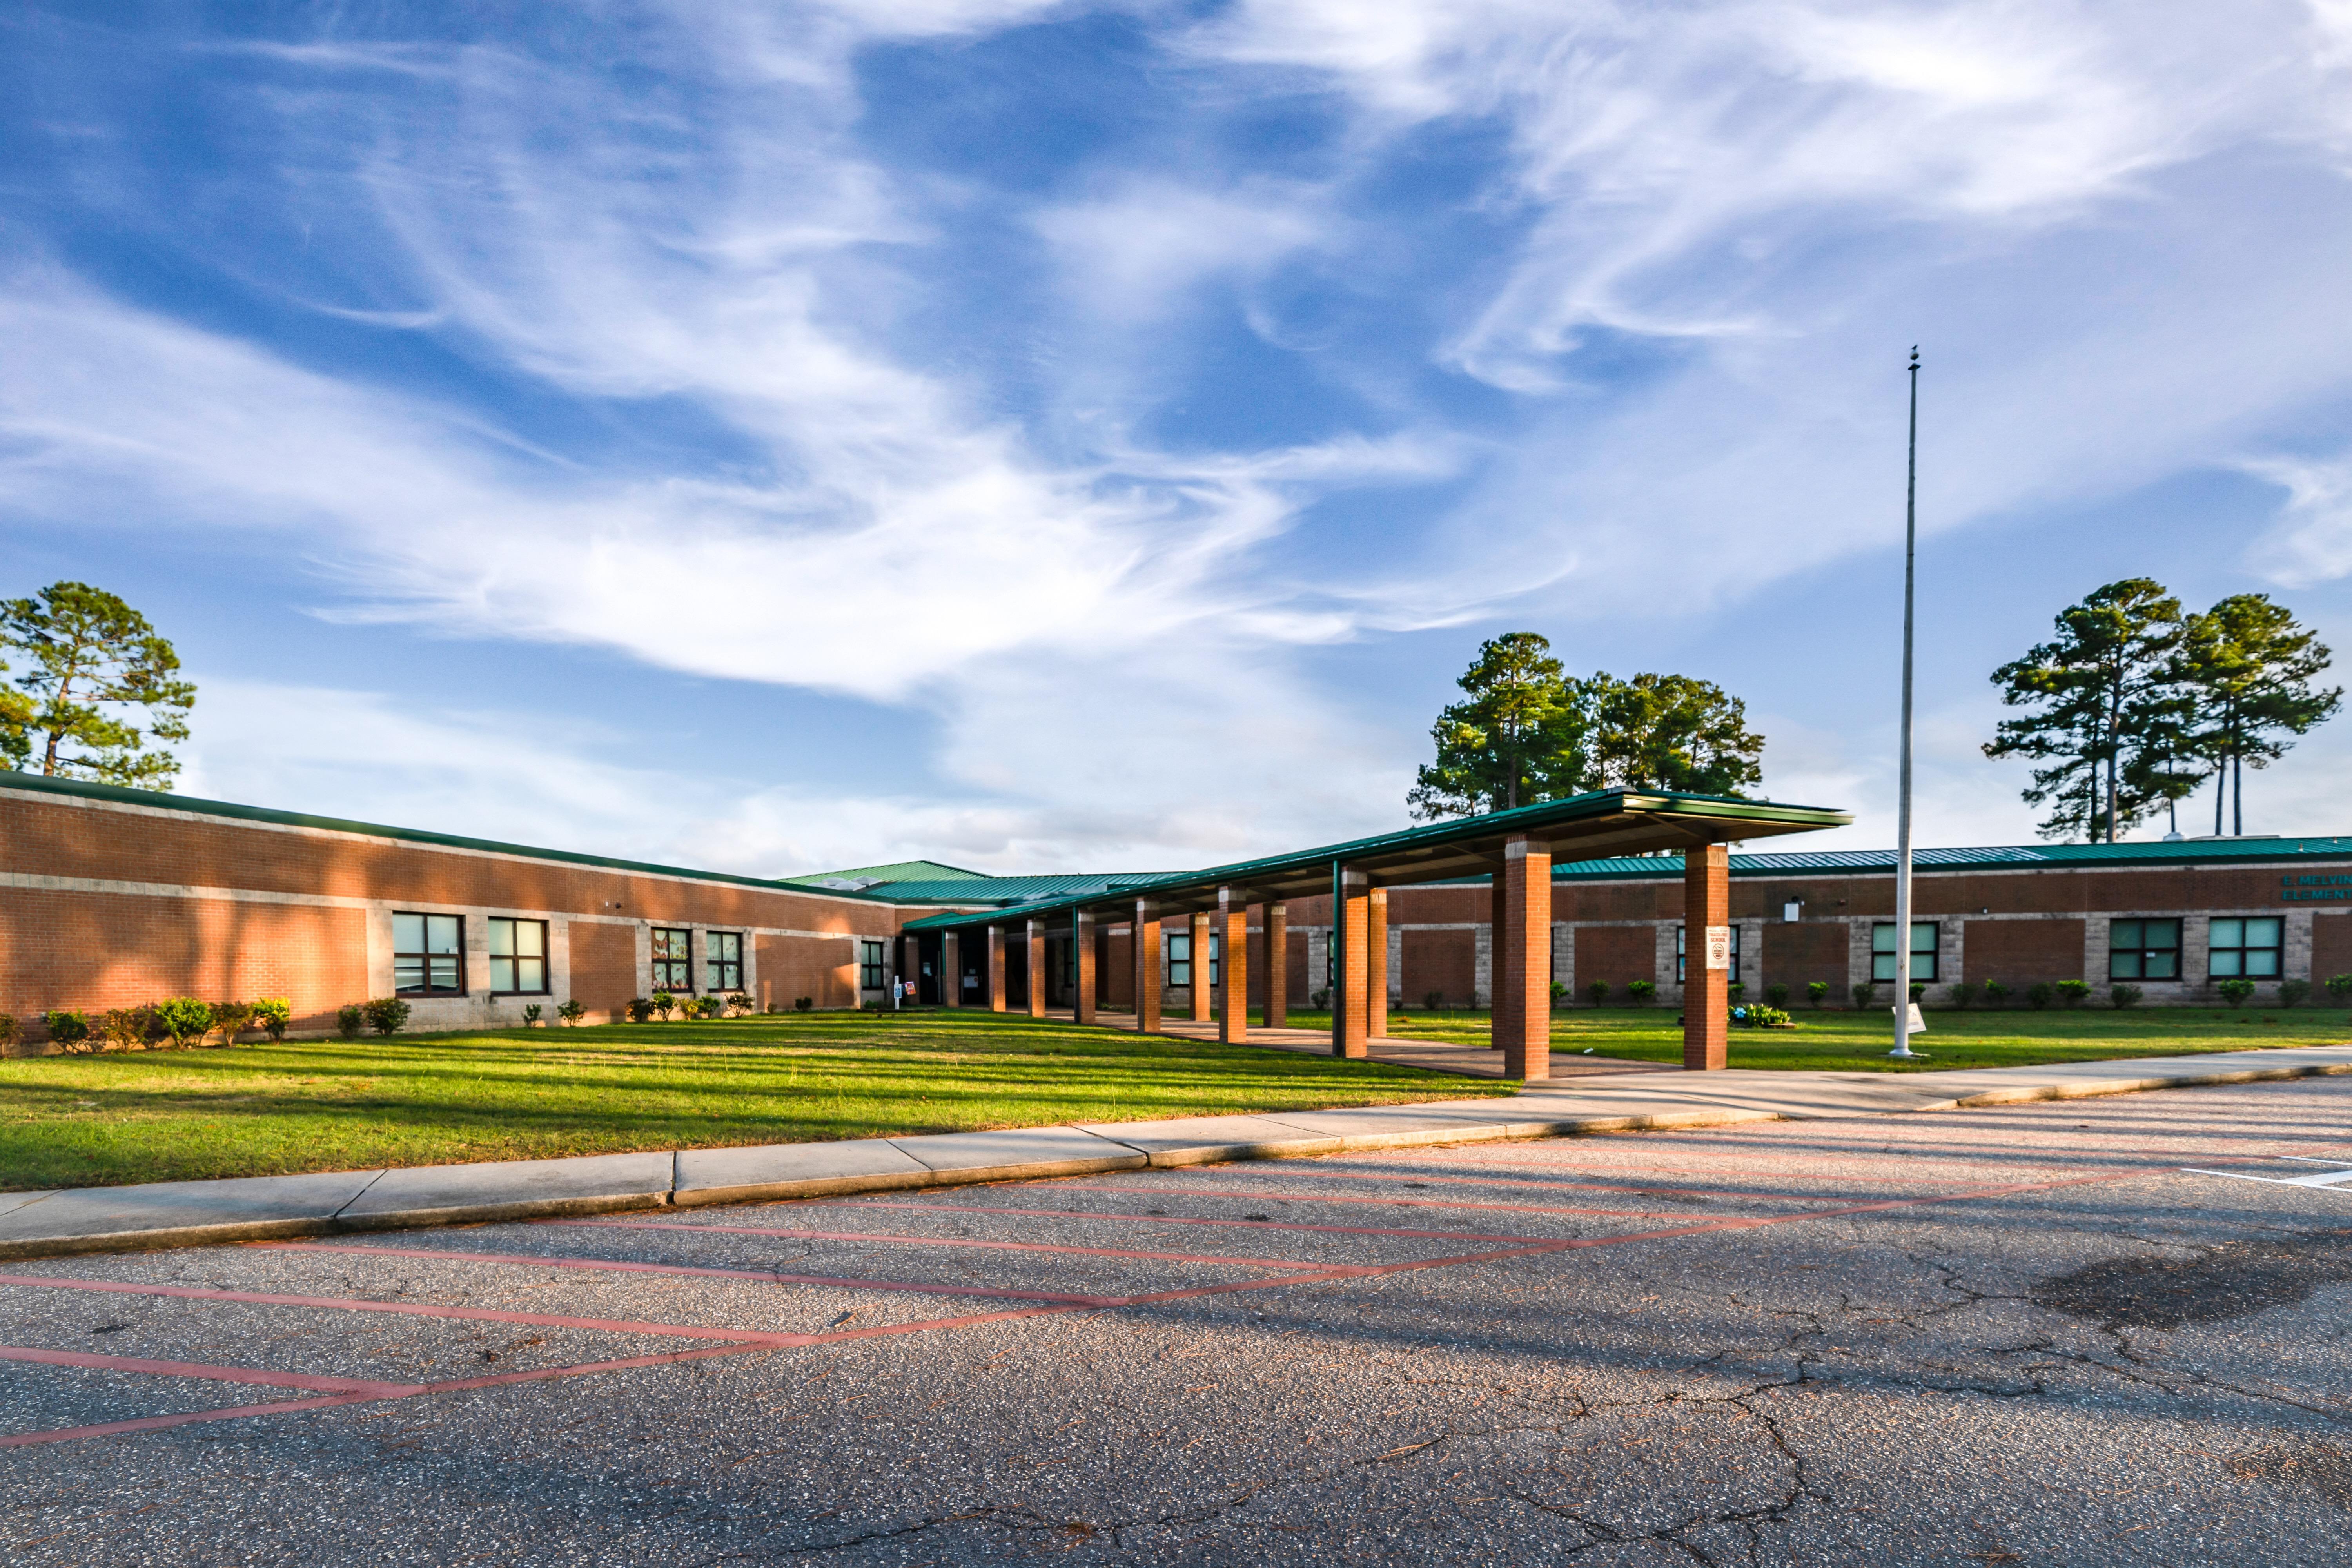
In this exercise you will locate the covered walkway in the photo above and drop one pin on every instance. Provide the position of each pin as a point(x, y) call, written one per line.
point(1514, 850)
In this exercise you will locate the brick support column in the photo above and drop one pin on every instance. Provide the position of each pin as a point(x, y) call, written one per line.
point(1348, 929)
point(1525, 961)
point(996, 969)
point(1706, 956)
point(1147, 967)
point(1033, 950)
point(950, 970)
point(1232, 971)
point(1277, 965)
point(1498, 937)
point(1083, 935)
point(911, 966)
point(1376, 964)
point(1203, 995)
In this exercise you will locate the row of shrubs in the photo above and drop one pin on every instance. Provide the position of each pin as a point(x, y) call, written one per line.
point(178, 1022)
point(662, 1003)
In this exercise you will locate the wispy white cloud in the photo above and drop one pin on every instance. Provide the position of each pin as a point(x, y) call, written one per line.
point(2312, 540)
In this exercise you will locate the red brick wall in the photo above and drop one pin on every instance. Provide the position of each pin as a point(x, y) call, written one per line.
point(2020, 953)
point(1615, 954)
point(603, 967)
point(2331, 948)
point(1797, 954)
point(1444, 961)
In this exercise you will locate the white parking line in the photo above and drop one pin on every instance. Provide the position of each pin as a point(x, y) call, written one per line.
point(2329, 1179)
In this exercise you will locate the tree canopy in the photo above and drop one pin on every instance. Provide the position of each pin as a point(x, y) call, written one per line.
point(2248, 667)
point(99, 688)
point(1529, 733)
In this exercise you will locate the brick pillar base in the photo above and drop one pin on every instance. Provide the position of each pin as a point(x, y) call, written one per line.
point(1034, 953)
point(1232, 974)
point(1349, 928)
point(1376, 964)
point(1204, 996)
point(996, 969)
point(1527, 961)
point(950, 970)
point(1706, 956)
point(1146, 967)
point(1083, 935)
point(1277, 965)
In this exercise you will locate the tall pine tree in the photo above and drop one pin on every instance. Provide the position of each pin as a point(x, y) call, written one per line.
point(2247, 668)
point(1517, 739)
point(2099, 691)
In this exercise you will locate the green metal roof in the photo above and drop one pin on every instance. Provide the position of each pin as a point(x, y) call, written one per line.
point(1012, 889)
point(160, 801)
point(859, 878)
point(2005, 858)
point(1443, 851)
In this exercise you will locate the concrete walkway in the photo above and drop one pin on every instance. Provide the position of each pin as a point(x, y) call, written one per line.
point(193, 1214)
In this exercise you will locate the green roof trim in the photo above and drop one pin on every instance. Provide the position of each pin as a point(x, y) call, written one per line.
point(896, 871)
point(158, 800)
point(2003, 858)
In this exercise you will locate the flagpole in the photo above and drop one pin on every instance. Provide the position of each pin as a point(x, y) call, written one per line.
point(1903, 785)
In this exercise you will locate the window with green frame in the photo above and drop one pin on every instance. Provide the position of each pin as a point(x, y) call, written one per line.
point(2144, 950)
point(2245, 949)
point(1923, 951)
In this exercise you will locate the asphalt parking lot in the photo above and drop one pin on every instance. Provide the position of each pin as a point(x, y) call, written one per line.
point(2039, 1334)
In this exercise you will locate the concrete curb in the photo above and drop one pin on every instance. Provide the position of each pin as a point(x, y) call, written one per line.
point(711, 1177)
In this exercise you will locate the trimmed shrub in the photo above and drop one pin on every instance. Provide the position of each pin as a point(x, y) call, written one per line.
point(641, 1010)
point(2236, 992)
point(1434, 1000)
point(7, 1030)
point(1761, 1017)
point(1643, 992)
point(1961, 993)
point(1735, 989)
point(1558, 994)
point(2125, 996)
point(387, 1015)
point(1864, 994)
point(1817, 992)
point(2292, 991)
point(2072, 992)
point(351, 1019)
point(69, 1029)
point(808, 1004)
point(1598, 989)
point(740, 1002)
point(571, 1012)
point(274, 1014)
point(2041, 994)
point(232, 1019)
point(1996, 993)
point(663, 1003)
point(531, 1013)
point(1777, 994)
point(1918, 991)
point(2339, 988)
point(184, 1019)
point(1319, 1000)
point(126, 1028)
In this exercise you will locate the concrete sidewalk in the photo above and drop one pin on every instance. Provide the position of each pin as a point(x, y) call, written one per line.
point(195, 1213)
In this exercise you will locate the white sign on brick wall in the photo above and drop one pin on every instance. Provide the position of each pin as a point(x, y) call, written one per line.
point(1719, 947)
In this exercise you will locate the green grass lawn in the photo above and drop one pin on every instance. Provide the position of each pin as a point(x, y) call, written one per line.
point(1858, 1042)
point(156, 1116)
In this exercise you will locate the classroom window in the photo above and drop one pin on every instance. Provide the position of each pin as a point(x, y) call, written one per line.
point(1215, 951)
point(722, 960)
point(518, 957)
point(1923, 951)
point(673, 959)
point(1179, 958)
point(2247, 948)
point(428, 956)
point(1679, 942)
point(2144, 950)
point(871, 976)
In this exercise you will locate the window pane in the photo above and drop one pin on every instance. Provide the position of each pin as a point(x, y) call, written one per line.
point(2163, 933)
point(2163, 965)
point(1180, 949)
point(408, 933)
point(408, 974)
point(440, 933)
point(442, 973)
point(1882, 940)
point(2263, 933)
point(1678, 941)
point(1923, 936)
point(502, 938)
point(531, 938)
point(2262, 961)
point(502, 973)
point(1882, 966)
point(2226, 962)
point(2125, 933)
point(530, 974)
point(1923, 966)
point(2123, 965)
point(2229, 933)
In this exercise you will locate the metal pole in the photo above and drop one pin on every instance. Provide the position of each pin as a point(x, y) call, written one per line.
point(1903, 785)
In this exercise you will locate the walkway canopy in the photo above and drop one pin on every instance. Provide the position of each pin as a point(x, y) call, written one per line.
point(1516, 848)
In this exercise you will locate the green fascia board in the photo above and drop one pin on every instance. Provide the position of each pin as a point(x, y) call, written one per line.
point(1545, 814)
point(162, 800)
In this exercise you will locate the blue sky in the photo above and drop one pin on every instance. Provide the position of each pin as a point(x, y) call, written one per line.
point(1045, 436)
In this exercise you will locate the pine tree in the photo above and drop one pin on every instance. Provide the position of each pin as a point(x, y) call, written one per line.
point(2103, 690)
point(1518, 739)
point(2249, 668)
point(94, 659)
point(1670, 733)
